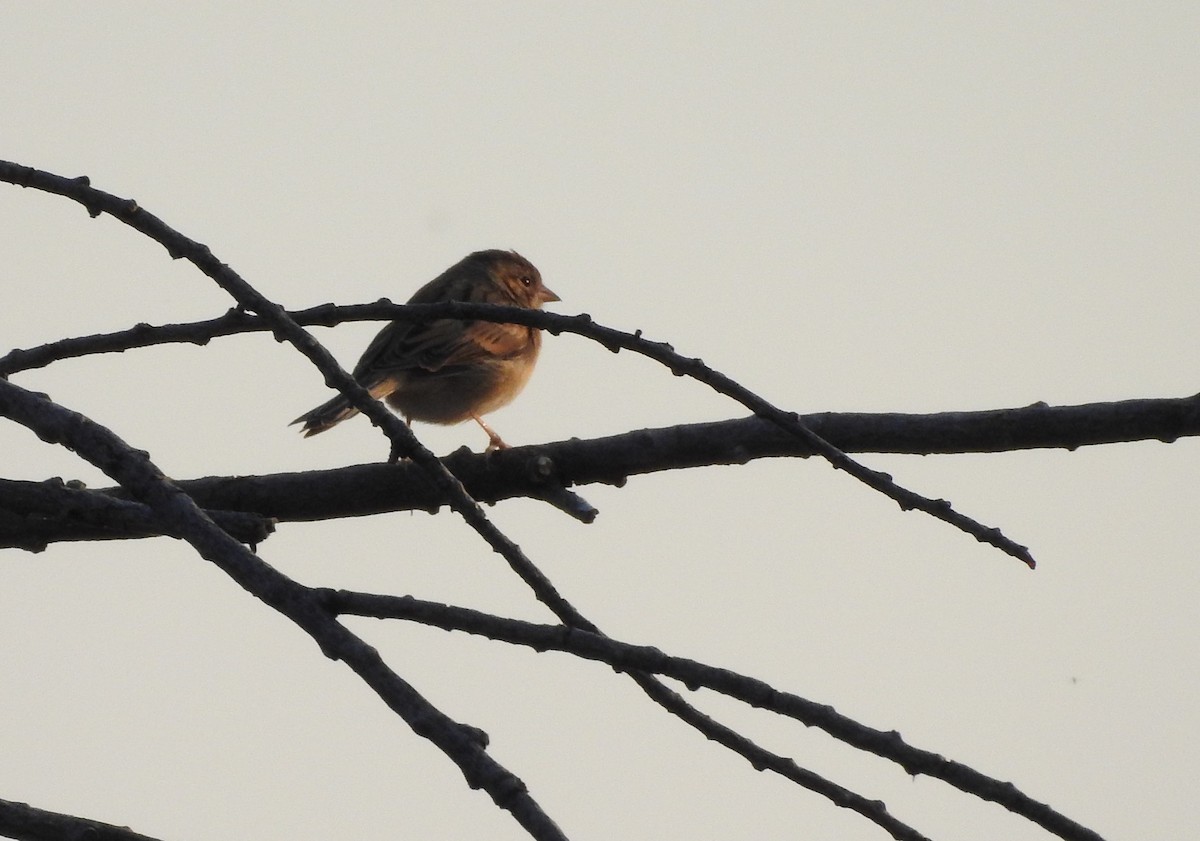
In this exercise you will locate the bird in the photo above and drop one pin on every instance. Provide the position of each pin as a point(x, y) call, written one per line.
point(451, 370)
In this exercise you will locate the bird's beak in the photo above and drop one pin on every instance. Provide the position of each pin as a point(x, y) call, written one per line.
point(547, 297)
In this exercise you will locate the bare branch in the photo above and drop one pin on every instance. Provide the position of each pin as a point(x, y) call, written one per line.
point(582, 325)
point(179, 514)
point(34, 514)
point(27, 823)
point(1039, 425)
point(693, 674)
point(539, 470)
point(762, 759)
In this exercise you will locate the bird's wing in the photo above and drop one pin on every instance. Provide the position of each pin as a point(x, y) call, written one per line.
point(385, 351)
point(438, 344)
point(477, 341)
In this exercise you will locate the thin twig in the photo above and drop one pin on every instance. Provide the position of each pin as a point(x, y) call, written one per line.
point(645, 659)
point(234, 322)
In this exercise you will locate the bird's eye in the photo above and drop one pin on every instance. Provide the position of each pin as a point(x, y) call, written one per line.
point(526, 280)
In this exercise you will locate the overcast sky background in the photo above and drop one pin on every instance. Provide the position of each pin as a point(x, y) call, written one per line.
point(847, 207)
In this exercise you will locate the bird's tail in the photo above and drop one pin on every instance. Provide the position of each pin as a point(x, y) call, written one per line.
point(326, 416)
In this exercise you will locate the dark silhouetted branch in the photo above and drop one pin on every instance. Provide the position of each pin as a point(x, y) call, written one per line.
point(180, 515)
point(35, 514)
point(23, 822)
point(695, 675)
point(365, 489)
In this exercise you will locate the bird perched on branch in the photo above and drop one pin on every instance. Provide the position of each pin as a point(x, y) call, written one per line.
point(449, 370)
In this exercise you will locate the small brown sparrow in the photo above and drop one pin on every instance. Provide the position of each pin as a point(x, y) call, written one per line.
point(449, 370)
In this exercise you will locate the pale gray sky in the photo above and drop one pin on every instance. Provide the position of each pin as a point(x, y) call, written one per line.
point(893, 207)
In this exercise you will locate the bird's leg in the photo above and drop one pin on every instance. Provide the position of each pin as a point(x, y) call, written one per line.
point(494, 441)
